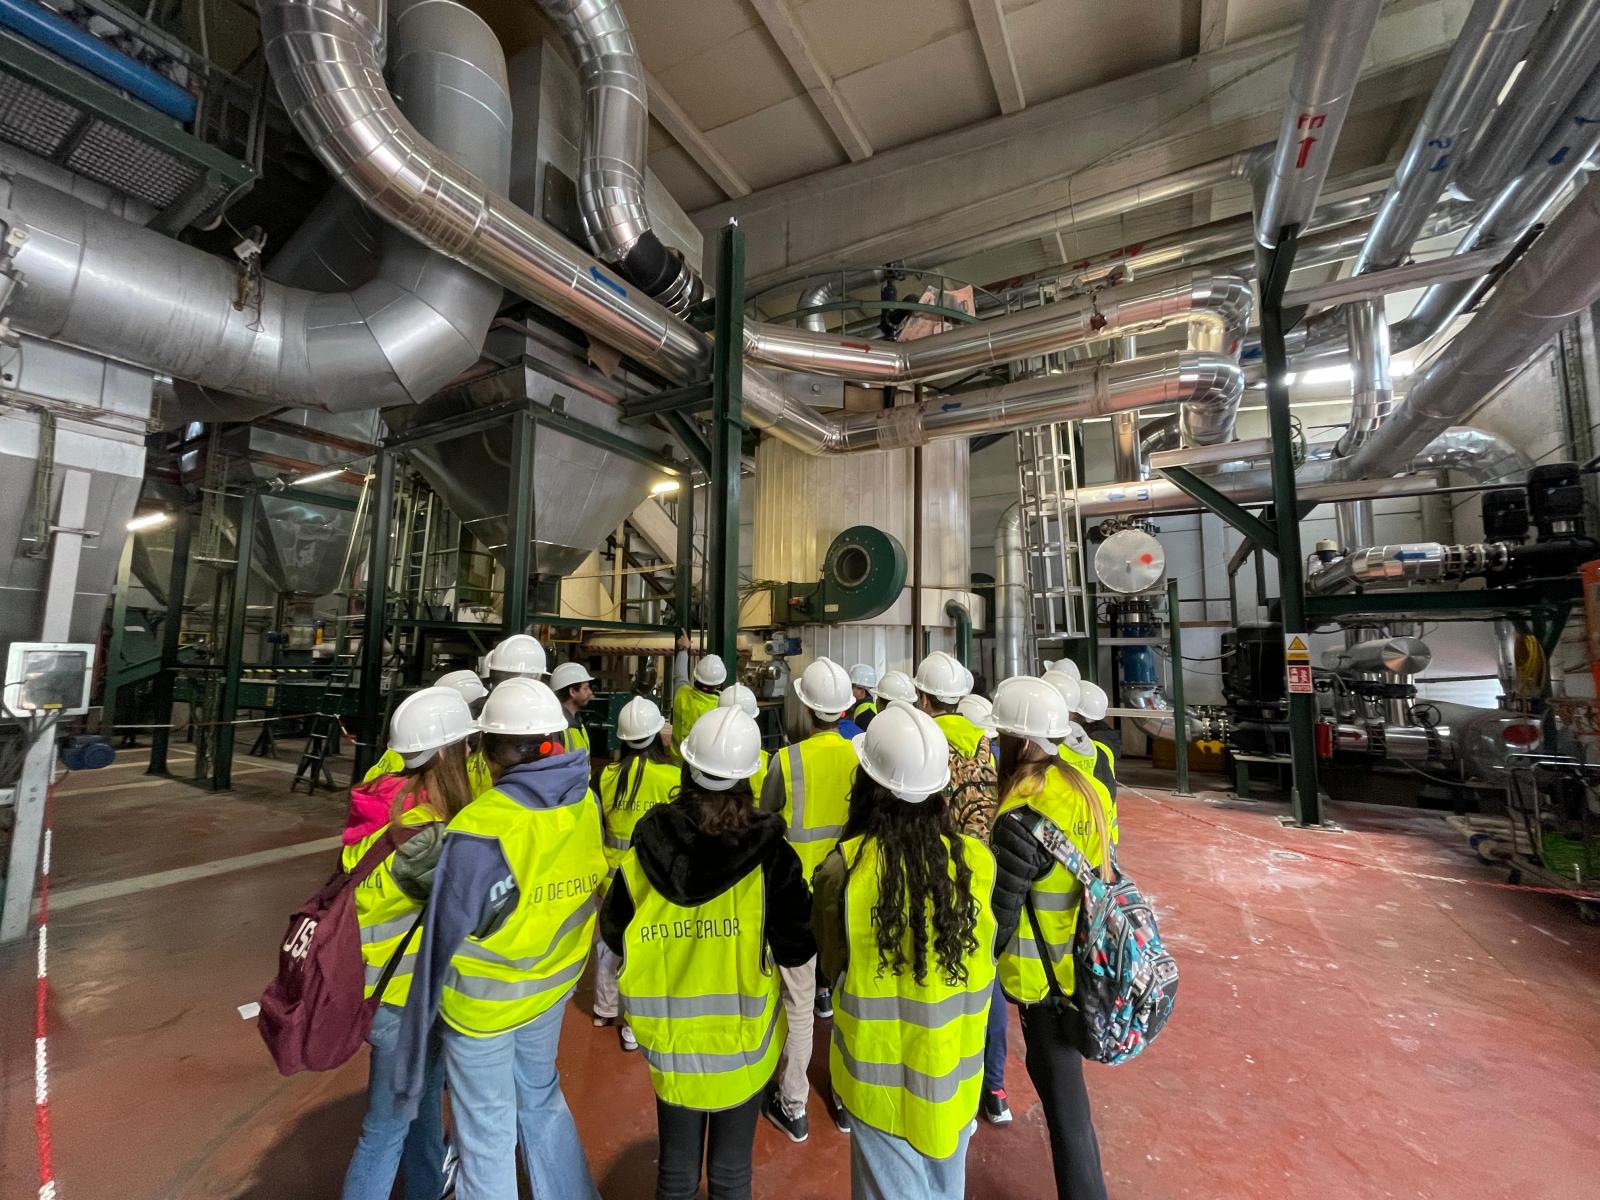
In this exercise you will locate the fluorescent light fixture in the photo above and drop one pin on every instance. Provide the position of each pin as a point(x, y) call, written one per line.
point(319, 476)
point(148, 521)
point(663, 487)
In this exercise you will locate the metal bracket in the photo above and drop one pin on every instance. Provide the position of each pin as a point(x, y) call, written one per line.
point(1246, 522)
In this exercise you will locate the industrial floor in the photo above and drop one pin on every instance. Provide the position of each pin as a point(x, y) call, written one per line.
point(1344, 1028)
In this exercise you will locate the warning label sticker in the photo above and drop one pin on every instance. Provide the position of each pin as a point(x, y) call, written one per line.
point(1296, 648)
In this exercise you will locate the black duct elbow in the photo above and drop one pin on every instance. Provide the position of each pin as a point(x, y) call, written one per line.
point(662, 272)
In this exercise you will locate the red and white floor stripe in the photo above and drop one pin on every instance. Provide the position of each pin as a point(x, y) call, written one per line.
point(41, 1054)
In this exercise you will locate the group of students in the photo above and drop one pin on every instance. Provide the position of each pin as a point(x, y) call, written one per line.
point(888, 880)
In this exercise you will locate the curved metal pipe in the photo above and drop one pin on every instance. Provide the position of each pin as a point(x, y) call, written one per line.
point(1397, 655)
point(616, 132)
point(129, 293)
point(1482, 456)
point(1492, 39)
point(1372, 388)
point(1012, 655)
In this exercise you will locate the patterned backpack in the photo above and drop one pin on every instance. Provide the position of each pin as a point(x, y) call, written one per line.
point(973, 793)
point(1126, 980)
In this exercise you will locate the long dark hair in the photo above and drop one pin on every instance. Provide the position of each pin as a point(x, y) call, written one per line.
point(916, 845)
point(441, 784)
point(720, 812)
point(1019, 772)
point(631, 761)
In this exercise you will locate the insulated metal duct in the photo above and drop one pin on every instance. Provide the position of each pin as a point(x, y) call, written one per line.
point(93, 280)
point(1564, 55)
point(1495, 34)
point(1332, 45)
point(1371, 386)
point(1408, 562)
point(1012, 621)
point(616, 131)
point(1397, 655)
point(1206, 298)
point(1557, 279)
point(1482, 456)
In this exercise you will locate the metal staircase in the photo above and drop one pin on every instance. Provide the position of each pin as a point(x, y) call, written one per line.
point(1047, 484)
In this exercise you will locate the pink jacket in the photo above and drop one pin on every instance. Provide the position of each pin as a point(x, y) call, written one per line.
point(370, 806)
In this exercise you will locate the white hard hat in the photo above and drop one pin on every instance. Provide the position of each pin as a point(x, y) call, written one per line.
point(863, 676)
point(520, 707)
point(896, 685)
point(736, 695)
point(905, 750)
point(824, 688)
point(639, 722)
point(1092, 701)
point(979, 711)
point(428, 720)
point(710, 671)
point(723, 746)
point(1064, 666)
point(465, 682)
point(1067, 686)
point(569, 673)
point(519, 654)
point(942, 677)
point(1029, 708)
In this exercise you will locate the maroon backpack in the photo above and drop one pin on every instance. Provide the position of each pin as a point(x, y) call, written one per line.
point(313, 1014)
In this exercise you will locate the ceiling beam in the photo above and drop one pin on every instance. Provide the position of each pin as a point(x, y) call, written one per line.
point(693, 140)
point(792, 42)
point(991, 25)
point(1060, 153)
point(1213, 25)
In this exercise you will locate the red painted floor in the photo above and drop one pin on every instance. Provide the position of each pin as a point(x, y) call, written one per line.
point(1342, 1031)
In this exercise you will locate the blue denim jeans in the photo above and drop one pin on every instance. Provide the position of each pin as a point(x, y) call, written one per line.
point(504, 1089)
point(885, 1167)
point(994, 1042)
point(389, 1141)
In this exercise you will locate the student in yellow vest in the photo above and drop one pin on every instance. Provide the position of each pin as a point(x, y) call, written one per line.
point(941, 682)
point(693, 699)
point(474, 693)
point(1036, 904)
point(1079, 749)
point(519, 656)
point(1091, 714)
point(708, 906)
point(904, 927)
point(571, 683)
point(505, 941)
point(736, 695)
point(429, 733)
point(863, 679)
point(810, 786)
point(895, 685)
point(643, 776)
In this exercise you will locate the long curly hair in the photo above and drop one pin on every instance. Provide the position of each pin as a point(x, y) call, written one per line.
point(917, 844)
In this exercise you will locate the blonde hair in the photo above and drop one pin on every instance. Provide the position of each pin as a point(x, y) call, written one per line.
point(1024, 775)
point(441, 784)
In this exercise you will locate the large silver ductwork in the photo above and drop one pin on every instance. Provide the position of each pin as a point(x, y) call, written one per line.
point(1396, 655)
point(611, 193)
point(1013, 620)
point(1332, 45)
point(1482, 456)
point(1371, 386)
point(1558, 278)
point(1493, 38)
point(1218, 302)
point(93, 280)
point(1408, 562)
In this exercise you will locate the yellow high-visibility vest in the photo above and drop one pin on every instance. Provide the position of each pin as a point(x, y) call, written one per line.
point(529, 964)
point(961, 733)
point(817, 774)
point(759, 779)
point(907, 1057)
point(577, 737)
point(385, 913)
point(1057, 896)
point(1085, 764)
point(478, 775)
point(863, 706)
point(701, 992)
point(649, 784)
point(689, 704)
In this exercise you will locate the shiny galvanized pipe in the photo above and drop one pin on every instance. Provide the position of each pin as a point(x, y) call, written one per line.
point(1396, 655)
point(1012, 626)
point(1371, 386)
point(1332, 45)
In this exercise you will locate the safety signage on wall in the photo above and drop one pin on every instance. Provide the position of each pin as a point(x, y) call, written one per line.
point(1297, 661)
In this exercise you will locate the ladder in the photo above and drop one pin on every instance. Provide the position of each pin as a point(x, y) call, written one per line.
point(322, 733)
point(1047, 485)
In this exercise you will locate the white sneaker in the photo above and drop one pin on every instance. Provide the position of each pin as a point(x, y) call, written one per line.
point(629, 1042)
point(452, 1166)
point(601, 1022)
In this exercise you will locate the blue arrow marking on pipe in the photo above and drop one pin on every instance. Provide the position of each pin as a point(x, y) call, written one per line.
point(951, 407)
point(609, 284)
point(1410, 555)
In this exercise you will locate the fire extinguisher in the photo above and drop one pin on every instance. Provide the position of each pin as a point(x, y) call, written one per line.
point(1590, 573)
point(1324, 735)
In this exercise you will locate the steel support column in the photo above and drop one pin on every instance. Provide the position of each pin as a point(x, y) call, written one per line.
point(519, 507)
point(171, 639)
point(116, 644)
point(727, 439)
point(233, 647)
point(683, 579)
point(369, 717)
point(1304, 795)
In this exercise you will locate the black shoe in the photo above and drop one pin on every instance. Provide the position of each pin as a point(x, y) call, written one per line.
point(824, 1004)
point(841, 1119)
point(994, 1107)
point(796, 1129)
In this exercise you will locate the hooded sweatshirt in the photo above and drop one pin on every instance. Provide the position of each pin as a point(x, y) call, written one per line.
point(474, 891)
point(370, 806)
point(689, 867)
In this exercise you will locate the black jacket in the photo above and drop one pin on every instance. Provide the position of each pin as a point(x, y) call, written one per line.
point(1020, 862)
point(690, 867)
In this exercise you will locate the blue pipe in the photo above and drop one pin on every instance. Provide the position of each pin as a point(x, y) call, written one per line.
point(43, 28)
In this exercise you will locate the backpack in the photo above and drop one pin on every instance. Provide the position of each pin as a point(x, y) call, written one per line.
point(1127, 982)
point(313, 1014)
point(973, 793)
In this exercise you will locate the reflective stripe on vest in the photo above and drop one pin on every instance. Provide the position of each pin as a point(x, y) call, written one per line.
point(525, 967)
point(1056, 897)
point(864, 706)
point(706, 1049)
point(689, 704)
point(384, 913)
point(817, 774)
point(907, 1057)
point(651, 783)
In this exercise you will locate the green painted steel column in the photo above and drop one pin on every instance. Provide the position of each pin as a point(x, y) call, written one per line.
point(683, 586)
point(519, 507)
point(1180, 714)
point(233, 650)
point(727, 435)
point(369, 702)
point(1304, 796)
point(161, 695)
